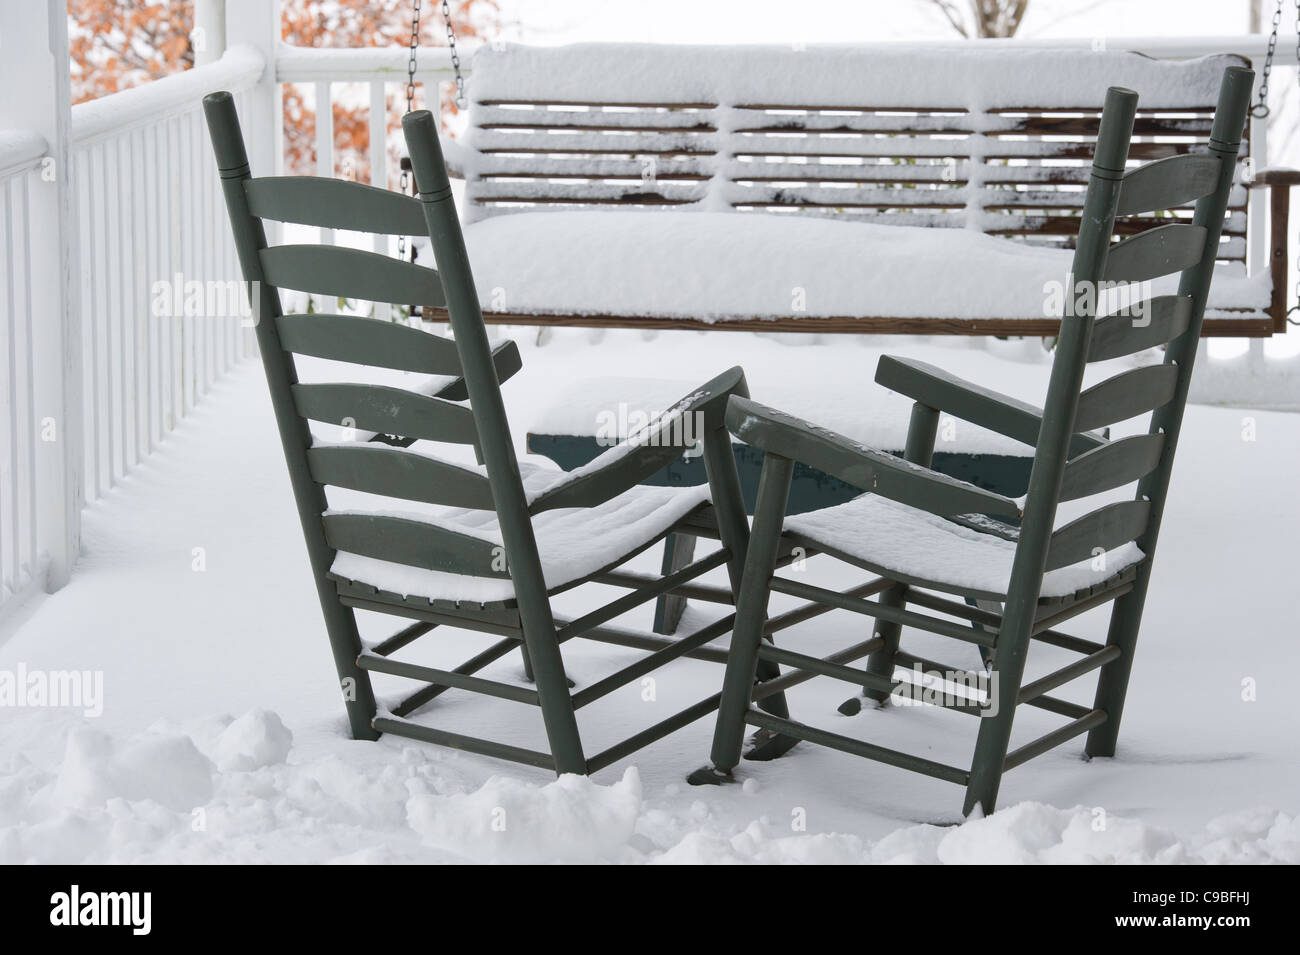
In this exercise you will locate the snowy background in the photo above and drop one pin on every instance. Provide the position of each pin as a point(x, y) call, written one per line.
point(222, 738)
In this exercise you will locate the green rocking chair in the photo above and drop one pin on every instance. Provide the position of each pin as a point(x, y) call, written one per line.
point(394, 527)
point(928, 535)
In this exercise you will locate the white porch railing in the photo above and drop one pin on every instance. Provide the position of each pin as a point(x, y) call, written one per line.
point(111, 213)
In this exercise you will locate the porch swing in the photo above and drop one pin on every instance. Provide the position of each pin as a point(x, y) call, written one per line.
point(887, 162)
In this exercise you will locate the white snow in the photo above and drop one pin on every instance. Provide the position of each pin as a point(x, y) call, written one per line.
point(934, 75)
point(724, 265)
point(915, 544)
point(1208, 767)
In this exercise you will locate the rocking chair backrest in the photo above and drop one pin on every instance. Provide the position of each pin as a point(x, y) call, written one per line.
point(395, 416)
point(1065, 467)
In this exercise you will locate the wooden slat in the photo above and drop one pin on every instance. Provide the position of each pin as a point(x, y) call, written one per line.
point(1111, 465)
point(350, 273)
point(386, 410)
point(368, 341)
point(656, 191)
point(490, 141)
point(1103, 529)
point(1086, 126)
point(334, 204)
point(414, 543)
point(1166, 183)
point(1126, 395)
point(1029, 223)
point(1147, 324)
point(1156, 252)
point(596, 104)
point(402, 474)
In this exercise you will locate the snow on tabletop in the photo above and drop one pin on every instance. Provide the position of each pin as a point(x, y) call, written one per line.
point(880, 75)
point(717, 266)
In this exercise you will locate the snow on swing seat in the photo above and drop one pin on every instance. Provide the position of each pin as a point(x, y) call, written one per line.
point(726, 266)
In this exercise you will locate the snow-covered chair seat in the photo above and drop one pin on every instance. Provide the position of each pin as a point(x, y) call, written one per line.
point(890, 188)
point(573, 543)
point(913, 546)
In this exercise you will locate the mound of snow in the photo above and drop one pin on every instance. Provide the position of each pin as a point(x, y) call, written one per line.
point(508, 820)
point(258, 738)
point(166, 769)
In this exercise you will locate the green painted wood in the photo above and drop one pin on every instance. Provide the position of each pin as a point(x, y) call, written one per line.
point(1230, 120)
point(350, 273)
point(1156, 252)
point(368, 341)
point(1114, 465)
point(309, 497)
point(1054, 446)
point(506, 361)
point(1166, 317)
point(942, 391)
point(1168, 183)
point(1126, 395)
point(414, 543)
point(401, 474)
point(692, 419)
point(442, 224)
point(877, 471)
point(386, 410)
point(1104, 528)
point(334, 204)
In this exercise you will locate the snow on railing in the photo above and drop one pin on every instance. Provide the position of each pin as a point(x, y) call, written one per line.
point(160, 303)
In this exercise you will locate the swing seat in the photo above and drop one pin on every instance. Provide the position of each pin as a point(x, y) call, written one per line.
point(890, 188)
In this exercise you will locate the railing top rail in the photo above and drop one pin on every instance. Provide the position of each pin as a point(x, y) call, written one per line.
point(238, 69)
point(20, 149)
point(297, 64)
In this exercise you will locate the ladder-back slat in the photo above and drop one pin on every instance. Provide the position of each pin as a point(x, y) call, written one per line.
point(334, 204)
point(1167, 183)
point(401, 474)
point(1112, 465)
point(1101, 530)
point(1143, 325)
point(350, 273)
point(386, 410)
point(1156, 252)
point(368, 341)
point(1126, 395)
point(413, 543)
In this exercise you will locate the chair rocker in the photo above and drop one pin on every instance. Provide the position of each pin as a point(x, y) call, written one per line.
point(393, 527)
point(929, 537)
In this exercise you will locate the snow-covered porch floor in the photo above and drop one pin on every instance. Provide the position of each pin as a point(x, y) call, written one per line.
point(194, 600)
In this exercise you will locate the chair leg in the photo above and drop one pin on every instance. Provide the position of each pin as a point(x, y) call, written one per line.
point(354, 682)
point(733, 528)
point(922, 430)
point(751, 611)
point(679, 551)
point(995, 728)
point(1112, 681)
point(542, 650)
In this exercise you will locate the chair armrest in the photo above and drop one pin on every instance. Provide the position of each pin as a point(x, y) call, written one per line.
point(1275, 176)
point(935, 388)
point(699, 416)
point(876, 471)
point(505, 357)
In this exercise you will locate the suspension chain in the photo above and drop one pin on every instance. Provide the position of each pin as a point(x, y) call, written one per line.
point(455, 55)
point(1260, 109)
point(404, 181)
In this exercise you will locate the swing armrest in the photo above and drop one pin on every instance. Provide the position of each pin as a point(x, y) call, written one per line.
point(879, 472)
point(1275, 176)
point(1279, 181)
point(698, 417)
point(937, 389)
